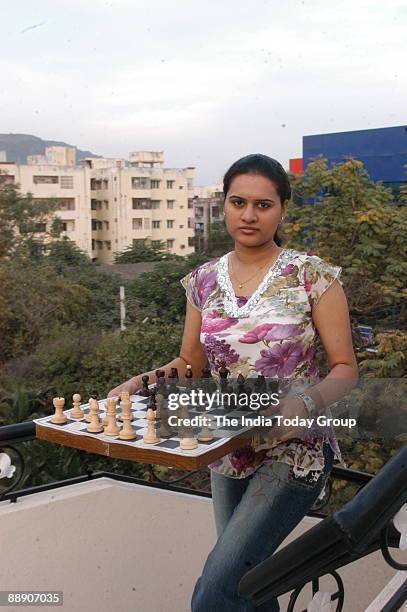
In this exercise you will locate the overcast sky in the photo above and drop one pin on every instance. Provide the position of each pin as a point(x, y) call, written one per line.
point(207, 81)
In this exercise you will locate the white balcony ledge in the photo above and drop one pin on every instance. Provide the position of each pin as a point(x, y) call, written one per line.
point(111, 545)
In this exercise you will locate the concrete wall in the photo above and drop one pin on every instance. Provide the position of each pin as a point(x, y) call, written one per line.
point(130, 548)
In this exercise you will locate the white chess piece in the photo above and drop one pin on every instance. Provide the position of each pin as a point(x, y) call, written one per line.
point(111, 428)
point(188, 443)
point(95, 426)
point(59, 418)
point(150, 437)
point(206, 434)
point(125, 405)
point(76, 412)
point(127, 432)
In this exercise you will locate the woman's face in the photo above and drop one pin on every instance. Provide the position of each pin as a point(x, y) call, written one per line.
point(253, 209)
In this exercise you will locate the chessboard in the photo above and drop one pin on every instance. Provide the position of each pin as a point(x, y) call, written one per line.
point(166, 451)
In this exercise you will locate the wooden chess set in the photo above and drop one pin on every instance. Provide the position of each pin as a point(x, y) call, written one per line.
point(140, 427)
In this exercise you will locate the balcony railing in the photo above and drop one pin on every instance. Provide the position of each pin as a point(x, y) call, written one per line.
point(363, 525)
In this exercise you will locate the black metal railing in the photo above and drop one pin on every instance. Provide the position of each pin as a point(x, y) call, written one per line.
point(361, 526)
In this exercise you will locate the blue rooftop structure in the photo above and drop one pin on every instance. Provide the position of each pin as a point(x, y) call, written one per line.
point(383, 151)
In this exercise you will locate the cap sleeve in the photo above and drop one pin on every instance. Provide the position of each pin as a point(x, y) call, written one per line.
point(189, 282)
point(318, 276)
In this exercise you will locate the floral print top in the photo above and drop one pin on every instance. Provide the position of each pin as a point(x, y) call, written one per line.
point(270, 333)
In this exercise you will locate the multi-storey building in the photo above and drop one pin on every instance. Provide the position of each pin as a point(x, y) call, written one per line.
point(109, 204)
point(207, 206)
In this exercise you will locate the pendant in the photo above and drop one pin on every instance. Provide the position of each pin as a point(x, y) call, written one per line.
point(240, 286)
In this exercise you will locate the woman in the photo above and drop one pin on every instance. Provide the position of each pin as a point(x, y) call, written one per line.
point(260, 309)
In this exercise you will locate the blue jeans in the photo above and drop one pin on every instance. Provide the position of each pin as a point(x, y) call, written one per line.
point(253, 515)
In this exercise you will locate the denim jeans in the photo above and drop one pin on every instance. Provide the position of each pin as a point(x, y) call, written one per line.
point(253, 515)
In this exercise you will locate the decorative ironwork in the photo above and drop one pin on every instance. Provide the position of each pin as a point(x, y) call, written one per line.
point(384, 546)
point(339, 594)
point(20, 473)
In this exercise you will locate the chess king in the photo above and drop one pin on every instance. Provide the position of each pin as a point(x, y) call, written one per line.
point(259, 310)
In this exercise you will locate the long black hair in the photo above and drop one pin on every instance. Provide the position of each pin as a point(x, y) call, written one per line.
point(257, 163)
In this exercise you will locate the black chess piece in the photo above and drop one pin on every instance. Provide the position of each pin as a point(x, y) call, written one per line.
point(145, 391)
point(243, 393)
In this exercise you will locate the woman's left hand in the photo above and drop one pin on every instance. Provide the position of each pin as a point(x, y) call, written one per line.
point(288, 408)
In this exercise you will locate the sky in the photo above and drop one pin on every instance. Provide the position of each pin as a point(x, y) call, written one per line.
point(204, 81)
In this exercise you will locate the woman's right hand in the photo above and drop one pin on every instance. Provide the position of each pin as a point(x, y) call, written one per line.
point(131, 386)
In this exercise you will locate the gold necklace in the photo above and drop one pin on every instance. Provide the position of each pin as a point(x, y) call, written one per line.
point(241, 283)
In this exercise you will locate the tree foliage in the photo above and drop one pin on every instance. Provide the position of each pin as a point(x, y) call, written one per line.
point(356, 224)
point(144, 252)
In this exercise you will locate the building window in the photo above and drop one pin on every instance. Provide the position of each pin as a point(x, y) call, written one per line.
point(170, 243)
point(139, 242)
point(146, 223)
point(105, 183)
point(215, 212)
point(170, 223)
point(141, 203)
point(95, 184)
point(45, 180)
point(99, 244)
point(191, 241)
point(137, 224)
point(68, 204)
point(155, 204)
point(96, 204)
point(181, 227)
point(7, 179)
point(170, 184)
point(190, 223)
point(66, 182)
point(190, 203)
point(106, 203)
point(97, 225)
point(68, 225)
point(156, 224)
point(190, 183)
point(140, 182)
point(106, 224)
point(156, 244)
point(40, 227)
point(109, 245)
point(155, 184)
point(181, 187)
point(93, 244)
point(182, 246)
point(170, 204)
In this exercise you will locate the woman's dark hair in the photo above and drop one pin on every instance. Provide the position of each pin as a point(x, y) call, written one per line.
point(257, 163)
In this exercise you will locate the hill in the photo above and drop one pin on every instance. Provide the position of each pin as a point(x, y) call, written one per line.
point(18, 146)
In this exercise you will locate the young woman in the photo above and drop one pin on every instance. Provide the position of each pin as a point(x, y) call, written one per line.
point(260, 309)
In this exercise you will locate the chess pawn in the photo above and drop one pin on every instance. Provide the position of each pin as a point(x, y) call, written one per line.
point(76, 412)
point(59, 418)
point(206, 434)
point(95, 426)
point(127, 432)
point(111, 429)
point(150, 437)
point(189, 442)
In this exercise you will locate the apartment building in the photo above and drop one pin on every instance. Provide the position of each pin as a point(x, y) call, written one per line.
point(207, 207)
point(109, 204)
point(68, 186)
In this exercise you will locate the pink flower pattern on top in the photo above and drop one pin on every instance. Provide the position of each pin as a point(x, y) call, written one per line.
point(274, 335)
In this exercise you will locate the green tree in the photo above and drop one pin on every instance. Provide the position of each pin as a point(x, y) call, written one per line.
point(24, 223)
point(354, 223)
point(144, 252)
point(159, 293)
